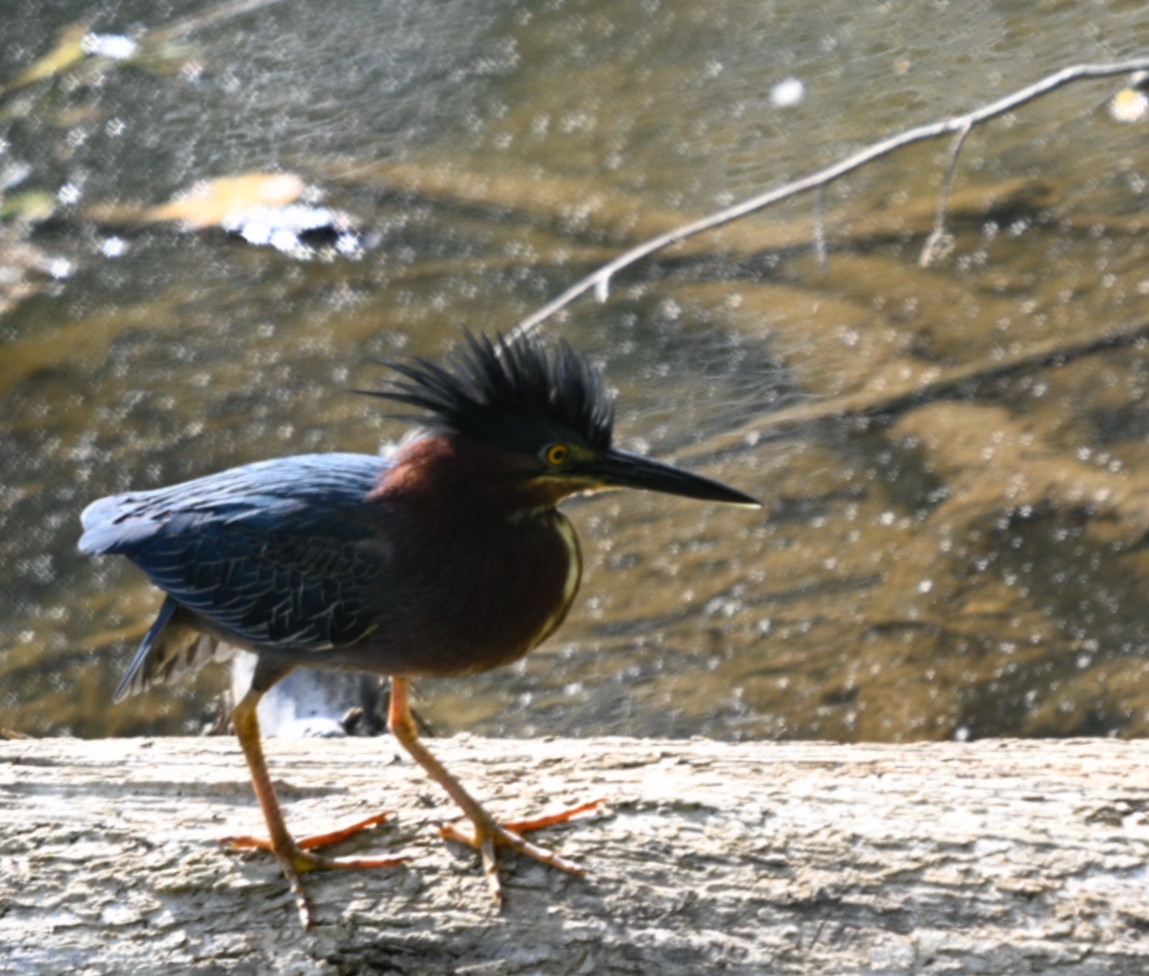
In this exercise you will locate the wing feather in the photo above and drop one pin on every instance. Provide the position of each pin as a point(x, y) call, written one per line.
point(281, 553)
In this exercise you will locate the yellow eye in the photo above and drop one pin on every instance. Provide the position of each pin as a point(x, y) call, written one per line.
point(557, 453)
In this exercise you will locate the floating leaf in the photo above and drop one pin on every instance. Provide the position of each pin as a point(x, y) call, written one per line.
point(35, 205)
point(68, 51)
point(215, 202)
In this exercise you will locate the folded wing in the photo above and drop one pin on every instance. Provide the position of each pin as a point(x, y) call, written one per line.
point(280, 553)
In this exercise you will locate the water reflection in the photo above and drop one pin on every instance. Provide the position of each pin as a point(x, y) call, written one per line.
point(964, 568)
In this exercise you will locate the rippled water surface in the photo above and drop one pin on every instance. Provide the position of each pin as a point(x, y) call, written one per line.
point(967, 565)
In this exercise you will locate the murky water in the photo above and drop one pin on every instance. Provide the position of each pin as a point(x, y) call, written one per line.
point(968, 566)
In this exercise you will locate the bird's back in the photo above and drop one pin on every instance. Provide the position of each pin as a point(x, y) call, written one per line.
point(266, 493)
point(277, 553)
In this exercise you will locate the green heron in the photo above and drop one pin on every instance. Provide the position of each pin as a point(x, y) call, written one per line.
point(447, 557)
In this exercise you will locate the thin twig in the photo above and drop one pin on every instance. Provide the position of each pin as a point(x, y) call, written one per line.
point(225, 11)
point(939, 243)
point(820, 226)
point(600, 279)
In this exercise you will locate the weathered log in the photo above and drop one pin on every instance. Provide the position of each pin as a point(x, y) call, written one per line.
point(988, 857)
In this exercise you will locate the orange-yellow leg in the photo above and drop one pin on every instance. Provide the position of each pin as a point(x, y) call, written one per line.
point(487, 834)
point(293, 855)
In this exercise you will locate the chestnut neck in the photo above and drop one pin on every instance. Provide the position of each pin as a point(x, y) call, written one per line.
point(451, 477)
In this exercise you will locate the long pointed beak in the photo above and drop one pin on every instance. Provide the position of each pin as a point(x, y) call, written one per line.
point(621, 469)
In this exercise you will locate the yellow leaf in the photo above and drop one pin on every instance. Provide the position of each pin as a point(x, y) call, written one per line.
point(66, 53)
point(211, 202)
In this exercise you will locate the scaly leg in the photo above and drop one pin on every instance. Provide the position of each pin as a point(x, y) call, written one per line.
point(291, 854)
point(488, 834)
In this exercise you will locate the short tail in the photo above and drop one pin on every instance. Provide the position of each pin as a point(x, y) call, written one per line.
point(173, 645)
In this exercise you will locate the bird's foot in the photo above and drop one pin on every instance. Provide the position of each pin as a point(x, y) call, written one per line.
point(246, 843)
point(296, 858)
point(488, 835)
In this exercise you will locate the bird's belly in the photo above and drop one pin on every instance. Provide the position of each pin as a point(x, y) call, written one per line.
point(486, 611)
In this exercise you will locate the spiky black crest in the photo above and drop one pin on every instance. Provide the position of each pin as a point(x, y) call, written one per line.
point(509, 393)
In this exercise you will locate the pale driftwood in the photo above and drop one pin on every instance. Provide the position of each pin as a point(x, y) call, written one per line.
point(992, 857)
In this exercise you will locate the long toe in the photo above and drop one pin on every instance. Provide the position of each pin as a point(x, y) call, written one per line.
point(550, 819)
point(488, 837)
point(298, 862)
point(503, 837)
point(296, 858)
point(312, 841)
point(341, 834)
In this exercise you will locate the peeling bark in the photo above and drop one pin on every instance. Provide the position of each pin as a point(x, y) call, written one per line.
point(990, 857)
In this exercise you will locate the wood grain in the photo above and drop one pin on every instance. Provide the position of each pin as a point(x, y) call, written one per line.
point(989, 857)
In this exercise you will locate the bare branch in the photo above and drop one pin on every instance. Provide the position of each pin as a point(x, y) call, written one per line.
point(820, 226)
point(934, 130)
